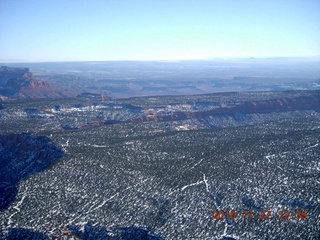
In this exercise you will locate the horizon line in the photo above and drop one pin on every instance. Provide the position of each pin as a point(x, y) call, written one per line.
point(9, 61)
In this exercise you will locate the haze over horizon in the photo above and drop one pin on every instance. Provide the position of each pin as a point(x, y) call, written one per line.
point(79, 30)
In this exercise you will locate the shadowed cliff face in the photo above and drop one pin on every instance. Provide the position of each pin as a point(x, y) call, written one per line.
point(27, 234)
point(20, 156)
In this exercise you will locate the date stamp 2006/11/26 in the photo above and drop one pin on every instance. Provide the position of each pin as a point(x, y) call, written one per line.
point(300, 214)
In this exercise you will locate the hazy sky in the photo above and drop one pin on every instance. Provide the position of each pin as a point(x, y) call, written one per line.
point(92, 30)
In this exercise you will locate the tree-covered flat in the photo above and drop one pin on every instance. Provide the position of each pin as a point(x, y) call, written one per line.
point(169, 176)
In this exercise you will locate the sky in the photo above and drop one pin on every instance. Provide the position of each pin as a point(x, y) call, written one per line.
point(102, 30)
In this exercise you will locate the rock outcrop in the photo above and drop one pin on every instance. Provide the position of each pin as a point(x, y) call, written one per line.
point(95, 96)
point(30, 88)
point(20, 83)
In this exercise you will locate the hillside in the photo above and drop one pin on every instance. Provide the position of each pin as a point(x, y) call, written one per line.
point(20, 156)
